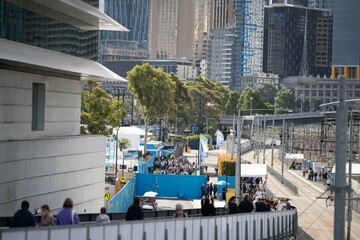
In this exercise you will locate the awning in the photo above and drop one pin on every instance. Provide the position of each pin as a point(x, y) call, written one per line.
point(355, 169)
point(297, 156)
point(34, 58)
point(74, 12)
point(253, 170)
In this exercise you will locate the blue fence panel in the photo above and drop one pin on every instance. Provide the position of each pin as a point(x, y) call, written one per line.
point(143, 166)
point(177, 186)
point(121, 201)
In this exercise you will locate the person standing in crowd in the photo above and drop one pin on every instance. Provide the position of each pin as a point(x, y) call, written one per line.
point(304, 171)
point(232, 206)
point(207, 190)
point(261, 205)
point(102, 217)
point(179, 211)
point(207, 209)
point(23, 217)
point(211, 188)
point(215, 191)
point(246, 206)
point(47, 219)
point(202, 190)
point(67, 216)
point(223, 194)
point(134, 212)
point(325, 175)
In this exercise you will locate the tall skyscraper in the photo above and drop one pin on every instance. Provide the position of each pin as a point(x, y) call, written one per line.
point(248, 42)
point(346, 47)
point(171, 29)
point(285, 35)
point(222, 14)
point(133, 14)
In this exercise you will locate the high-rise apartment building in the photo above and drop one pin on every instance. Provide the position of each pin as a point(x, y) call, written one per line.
point(346, 47)
point(171, 29)
point(219, 56)
point(222, 14)
point(248, 42)
point(284, 50)
point(45, 52)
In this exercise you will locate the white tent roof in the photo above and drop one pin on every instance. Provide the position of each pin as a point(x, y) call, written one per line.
point(253, 170)
point(294, 156)
point(355, 169)
point(132, 130)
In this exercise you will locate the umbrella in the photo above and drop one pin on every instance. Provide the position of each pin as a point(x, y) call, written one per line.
point(150, 194)
point(222, 182)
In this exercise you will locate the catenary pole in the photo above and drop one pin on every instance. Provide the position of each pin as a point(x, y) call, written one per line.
point(349, 205)
point(340, 160)
point(238, 160)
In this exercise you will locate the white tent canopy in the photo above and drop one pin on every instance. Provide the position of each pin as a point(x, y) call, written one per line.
point(131, 130)
point(253, 170)
point(294, 156)
point(355, 169)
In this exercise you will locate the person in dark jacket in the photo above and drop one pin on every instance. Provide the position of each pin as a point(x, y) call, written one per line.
point(135, 212)
point(261, 205)
point(246, 206)
point(23, 217)
point(232, 206)
point(207, 209)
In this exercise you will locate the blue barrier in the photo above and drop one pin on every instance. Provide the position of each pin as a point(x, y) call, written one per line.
point(230, 180)
point(121, 201)
point(177, 186)
point(143, 166)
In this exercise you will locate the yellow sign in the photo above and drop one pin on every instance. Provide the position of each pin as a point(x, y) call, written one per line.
point(272, 164)
point(122, 180)
point(107, 196)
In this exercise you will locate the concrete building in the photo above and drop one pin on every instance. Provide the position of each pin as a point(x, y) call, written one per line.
point(222, 14)
point(114, 50)
point(183, 69)
point(346, 47)
point(219, 57)
point(248, 42)
point(171, 29)
point(43, 157)
point(326, 90)
point(257, 80)
point(284, 37)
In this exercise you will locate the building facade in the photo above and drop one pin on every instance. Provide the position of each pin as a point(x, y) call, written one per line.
point(284, 51)
point(219, 58)
point(248, 42)
point(346, 47)
point(43, 156)
point(171, 29)
point(183, 69)
point(133, 14)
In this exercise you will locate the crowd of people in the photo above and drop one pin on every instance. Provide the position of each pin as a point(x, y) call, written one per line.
point(172, 165)
point(66, 216)
point(316, 176)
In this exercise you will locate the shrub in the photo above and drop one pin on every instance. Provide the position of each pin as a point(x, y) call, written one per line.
point(227, 166)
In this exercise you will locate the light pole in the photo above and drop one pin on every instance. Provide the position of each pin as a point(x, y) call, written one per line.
point(340, 151)
point(251, 100)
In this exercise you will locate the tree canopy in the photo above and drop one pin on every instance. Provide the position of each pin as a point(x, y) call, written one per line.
point(154, 90)
point(285, 100)
point(100, 112)
point(268, 93)
point(231, 105)
point(250, 101)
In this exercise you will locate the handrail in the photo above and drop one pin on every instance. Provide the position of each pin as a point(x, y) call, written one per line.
point(261, 225)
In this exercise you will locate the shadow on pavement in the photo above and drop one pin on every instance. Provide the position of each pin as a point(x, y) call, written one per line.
point(302, 235)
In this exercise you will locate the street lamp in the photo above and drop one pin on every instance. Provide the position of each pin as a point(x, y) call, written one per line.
point(251, 100)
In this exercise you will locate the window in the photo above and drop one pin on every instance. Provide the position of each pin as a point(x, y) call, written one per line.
point(38, 107)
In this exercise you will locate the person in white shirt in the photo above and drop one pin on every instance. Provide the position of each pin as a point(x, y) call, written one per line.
point(102, 217)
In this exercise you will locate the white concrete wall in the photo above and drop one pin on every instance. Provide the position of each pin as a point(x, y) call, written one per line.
point(46, 171)
point(45, 167)
point(62, 106)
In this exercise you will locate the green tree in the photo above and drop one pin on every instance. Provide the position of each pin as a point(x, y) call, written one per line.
point(231, 105)
point(285, 100)
point(154, 90)
point(317, 104)
point(268, 93)
point(123, 143)
point(250, 101)
point(182, 101)
point(100, 112)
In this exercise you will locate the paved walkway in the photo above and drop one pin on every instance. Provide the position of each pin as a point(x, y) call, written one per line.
point(316, 219)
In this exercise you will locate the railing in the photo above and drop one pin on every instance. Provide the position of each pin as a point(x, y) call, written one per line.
point(283, 180)
point(274, 225)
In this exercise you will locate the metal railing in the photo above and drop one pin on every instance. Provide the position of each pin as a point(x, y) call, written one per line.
point(283, 180)
point(265, 225)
